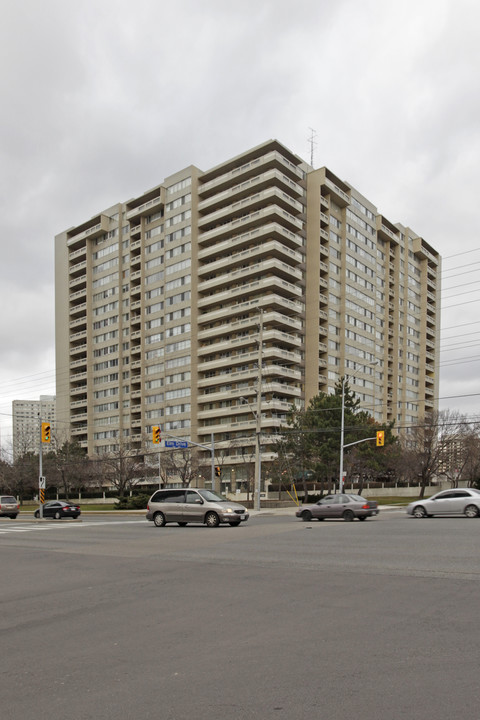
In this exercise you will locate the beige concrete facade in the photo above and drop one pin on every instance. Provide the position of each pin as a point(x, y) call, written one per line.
point(165, 303)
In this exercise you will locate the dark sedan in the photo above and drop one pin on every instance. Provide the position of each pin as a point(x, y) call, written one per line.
point(346, 507)
point(59, 509)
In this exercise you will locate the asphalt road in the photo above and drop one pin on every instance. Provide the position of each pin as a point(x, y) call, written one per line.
point(114, 618)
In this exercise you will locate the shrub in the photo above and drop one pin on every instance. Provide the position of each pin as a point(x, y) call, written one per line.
point(135, 502)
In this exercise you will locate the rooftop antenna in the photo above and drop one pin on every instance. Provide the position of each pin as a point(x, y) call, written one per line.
point(313, 143)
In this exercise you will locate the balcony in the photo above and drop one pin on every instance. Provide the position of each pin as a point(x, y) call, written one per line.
point(99, 228)
point(257, 183)
point(253, 168)
point(268, 249)
point(147, 208)
point(76, 349)
point(260, 286)
point(268, 371)
point(275, 270)
point(261, 236)
point(340, 196)
point(240, 308)
point(78, 294)
point(269, 319)
point(386, 230)
point(78, 309)
point(252, 203)
point(231, 229)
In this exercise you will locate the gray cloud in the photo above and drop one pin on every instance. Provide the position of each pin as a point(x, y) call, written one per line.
point(105, 99)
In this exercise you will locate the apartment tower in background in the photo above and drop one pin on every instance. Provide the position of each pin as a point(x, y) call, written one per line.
point(26, 418)
point(215, 301)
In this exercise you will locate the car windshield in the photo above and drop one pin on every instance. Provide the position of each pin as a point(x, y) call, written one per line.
point(7, 499)
point(211, 496)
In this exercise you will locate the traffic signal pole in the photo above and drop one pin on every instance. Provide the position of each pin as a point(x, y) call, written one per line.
point(41, 479)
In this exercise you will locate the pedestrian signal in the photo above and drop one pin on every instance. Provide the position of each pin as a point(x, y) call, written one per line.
point(218, 472)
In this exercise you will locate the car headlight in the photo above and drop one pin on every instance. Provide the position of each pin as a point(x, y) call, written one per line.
point(228, 510)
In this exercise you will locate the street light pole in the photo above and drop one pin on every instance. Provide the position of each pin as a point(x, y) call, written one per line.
point(258, 428)
point(342, 433)
point(342, 427)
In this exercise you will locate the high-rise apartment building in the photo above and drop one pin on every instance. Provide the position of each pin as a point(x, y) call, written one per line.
point(26, 418)
point(213, 302)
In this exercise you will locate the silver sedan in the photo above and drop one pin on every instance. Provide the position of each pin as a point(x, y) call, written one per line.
point(459, 501)
point(337, 506)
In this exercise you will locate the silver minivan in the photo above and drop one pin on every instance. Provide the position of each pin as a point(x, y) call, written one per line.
point(189, 505)
point(9, 506)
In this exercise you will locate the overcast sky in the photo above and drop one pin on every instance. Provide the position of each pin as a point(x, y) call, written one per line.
point(104, 99)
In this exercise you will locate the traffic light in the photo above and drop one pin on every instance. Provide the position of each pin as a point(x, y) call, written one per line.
point(218, 472)
point(156, 434)
point(45, 432)
point(380, 438)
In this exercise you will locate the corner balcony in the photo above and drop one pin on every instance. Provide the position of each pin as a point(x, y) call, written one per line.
point(273, 213)
point(244, 240)
point(251, 305)
point(257, 287)
point(269, 319)
point(99, 228)
point(268, 371)
point(276, 271)
point(273, 159)
point(268, 250)
point(146, 208)
point(253, 203)
point(258, 182)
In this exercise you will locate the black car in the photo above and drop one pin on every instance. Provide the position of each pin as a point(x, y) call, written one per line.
point(59, 509)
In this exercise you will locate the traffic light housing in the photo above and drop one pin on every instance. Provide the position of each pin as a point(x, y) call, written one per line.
point(380, 438)
point(218, 472)
point(156, 434)
point(46, 432)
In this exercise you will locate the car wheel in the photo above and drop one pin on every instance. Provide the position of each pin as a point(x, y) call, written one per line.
point(471, 511)
point(306, 516)
point(182, 524)
point(57, 516)
point(36, 514)
point(211, 519)
point(348, 516)
point(320, 519)
point(419, 512)
point(362, 517)
point(13, 517)
point(159, 519)
point(234, 524)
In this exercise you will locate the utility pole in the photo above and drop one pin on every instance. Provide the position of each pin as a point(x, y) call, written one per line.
point(258, 416)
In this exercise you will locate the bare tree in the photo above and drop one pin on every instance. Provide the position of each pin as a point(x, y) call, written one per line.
point(425, 447)
point(181, 463)
point(124, 468)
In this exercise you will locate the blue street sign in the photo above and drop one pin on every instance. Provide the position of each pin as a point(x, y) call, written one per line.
point(176, 443)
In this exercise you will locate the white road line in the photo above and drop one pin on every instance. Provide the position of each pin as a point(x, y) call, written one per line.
point(56, 526)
